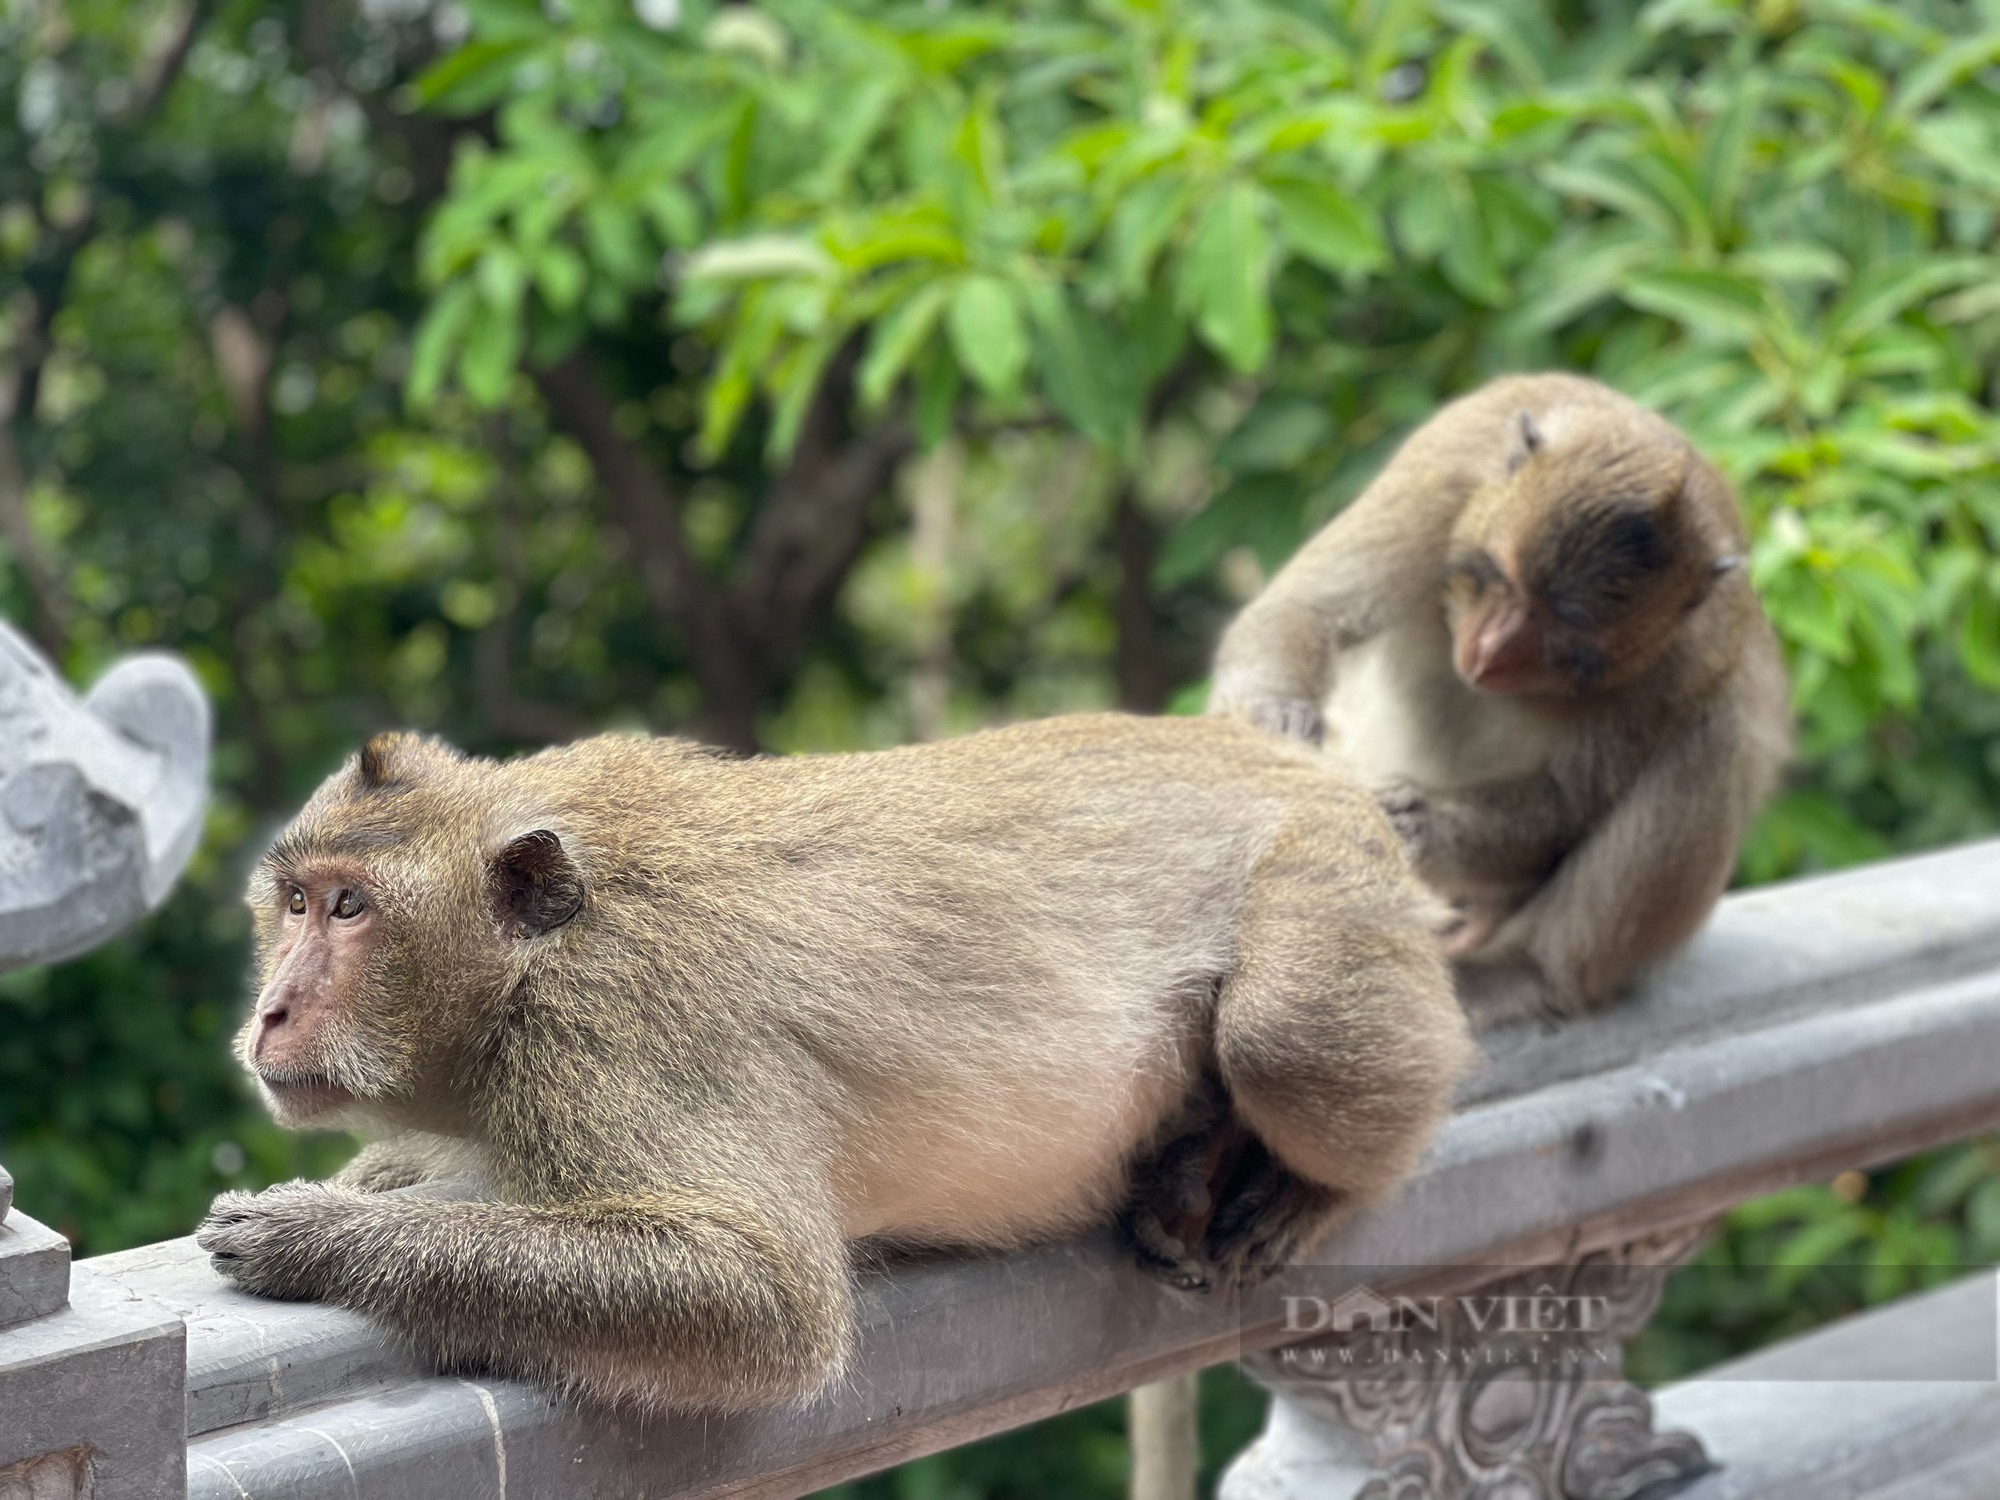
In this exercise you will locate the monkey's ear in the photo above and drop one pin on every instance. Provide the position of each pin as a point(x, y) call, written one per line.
point(535, 885)
point(1728, 563)
point(1531, 441)
point(377, 760)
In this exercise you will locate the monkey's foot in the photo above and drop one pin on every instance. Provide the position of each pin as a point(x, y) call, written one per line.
point(1407, 808)
point(1268, 1218)
point(1172, 1201)
point(1470, 930)
point(1164, 1255)
point(1505, 994)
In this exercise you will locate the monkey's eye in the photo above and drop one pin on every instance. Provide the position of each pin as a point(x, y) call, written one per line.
point(1473, 570)
point(347, 904)
point(296, 902)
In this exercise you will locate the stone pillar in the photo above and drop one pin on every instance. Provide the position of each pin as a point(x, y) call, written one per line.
point(100, 798)
point(1509, 1390)
point(100, 806)
point(93, 1380)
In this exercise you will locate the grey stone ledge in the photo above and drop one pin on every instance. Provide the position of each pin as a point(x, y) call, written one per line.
point(34, 1270)
point(1831, 1416)
point(1824, 1024)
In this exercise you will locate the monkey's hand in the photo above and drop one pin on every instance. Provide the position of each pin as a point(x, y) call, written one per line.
point(1294, 718)
point(287, 1242)
point(1280, 712)
point(1413, 816)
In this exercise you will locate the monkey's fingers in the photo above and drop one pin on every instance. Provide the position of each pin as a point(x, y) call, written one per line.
point(1164, 1255)
point(270, 1243)
point(1470, 931)
point(1294, 718)
point(1270, 1219)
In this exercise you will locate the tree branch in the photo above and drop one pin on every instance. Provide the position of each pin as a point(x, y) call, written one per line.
point(45, 589)
point(814, 522)
point(677, 590)
point(1138, 653)
point(493, 684)
point(20, 386)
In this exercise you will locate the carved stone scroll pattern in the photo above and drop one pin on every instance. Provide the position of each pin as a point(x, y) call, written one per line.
point(1481, 1407)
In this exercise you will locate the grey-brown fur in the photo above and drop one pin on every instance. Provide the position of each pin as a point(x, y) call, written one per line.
point(944, 995)
point(1583, 833)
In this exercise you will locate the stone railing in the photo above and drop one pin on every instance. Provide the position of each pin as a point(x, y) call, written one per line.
point(1817, 1026)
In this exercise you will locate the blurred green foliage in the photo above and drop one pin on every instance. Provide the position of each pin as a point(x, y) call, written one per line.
point(818, 377)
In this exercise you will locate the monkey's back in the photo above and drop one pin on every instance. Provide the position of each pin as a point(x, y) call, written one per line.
point(1078, 878)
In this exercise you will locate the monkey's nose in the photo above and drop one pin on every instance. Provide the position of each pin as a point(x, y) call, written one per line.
point(271, 1019)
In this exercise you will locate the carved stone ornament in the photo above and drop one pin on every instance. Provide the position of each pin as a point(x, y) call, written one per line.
point(100, 799)
point(1512, 1391)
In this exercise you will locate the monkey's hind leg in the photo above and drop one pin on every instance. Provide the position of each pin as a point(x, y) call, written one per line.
point(1339, 1040)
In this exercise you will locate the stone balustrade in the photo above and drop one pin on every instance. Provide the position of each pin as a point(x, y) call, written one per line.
point(1815, 1026)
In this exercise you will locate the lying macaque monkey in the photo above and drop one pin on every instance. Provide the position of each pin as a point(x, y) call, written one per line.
point(1534, 635)
point(703, 1024)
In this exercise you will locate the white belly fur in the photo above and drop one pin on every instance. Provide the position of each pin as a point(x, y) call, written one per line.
point(1400, 713)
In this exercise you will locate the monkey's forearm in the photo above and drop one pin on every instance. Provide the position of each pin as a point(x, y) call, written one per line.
point(629, 1300)
point(1637, 888)
point(1274, 668)
point(1507, 834)
point(1277, 661)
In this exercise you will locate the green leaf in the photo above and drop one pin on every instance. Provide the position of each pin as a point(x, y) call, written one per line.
point(1259, 511)
point(674, 214)
point(987, 333)
point(436, 339)
point(472, 78)
point(758, 257)
point(1280, 433)
point(486, 365)
point(1714, 304)
point(1225, 275)
point(1083, 367)
point(1426, 215)
point(937, 398)
point(795, 382)
point(502, 279)
point(1726, 151)
point(723, 404)
point(560, 274)
point(1890, 288)
point(896, 340)
point(1979, 637)
point(616, 241)
point(1139, 229)
point(1336, 232)
point(1812, 1246)
point(1925, 85)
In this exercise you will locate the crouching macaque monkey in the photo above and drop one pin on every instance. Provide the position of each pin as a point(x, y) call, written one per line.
point(702, 1024)
point(1534, 635)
